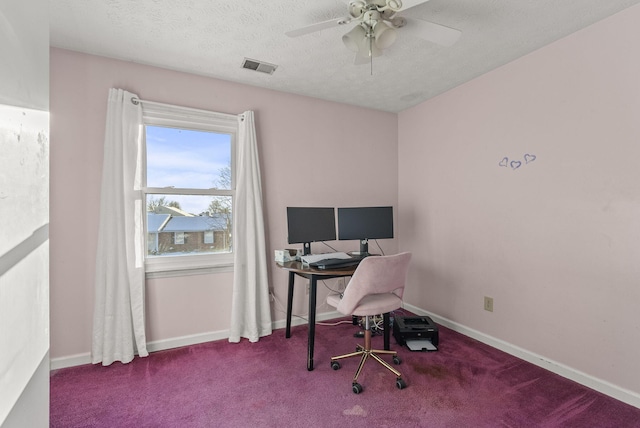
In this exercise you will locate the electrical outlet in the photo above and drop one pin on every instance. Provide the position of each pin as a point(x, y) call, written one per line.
point(488, 304)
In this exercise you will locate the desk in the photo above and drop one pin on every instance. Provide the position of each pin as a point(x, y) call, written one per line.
point(297, 268)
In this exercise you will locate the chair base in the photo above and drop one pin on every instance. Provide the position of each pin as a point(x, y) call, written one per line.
point(364, 352)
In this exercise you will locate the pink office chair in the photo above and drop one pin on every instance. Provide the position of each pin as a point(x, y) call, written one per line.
point(375, 288)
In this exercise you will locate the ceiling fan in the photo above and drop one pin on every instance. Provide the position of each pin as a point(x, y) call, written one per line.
point(376, 25)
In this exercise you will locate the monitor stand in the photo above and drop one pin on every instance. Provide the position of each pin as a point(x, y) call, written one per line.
point(364, 248)
point(306, 248)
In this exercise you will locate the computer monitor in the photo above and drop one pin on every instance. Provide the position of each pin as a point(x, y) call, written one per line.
point(364, 223)
point(310, 224)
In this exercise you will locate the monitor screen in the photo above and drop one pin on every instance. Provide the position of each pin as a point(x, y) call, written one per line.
point(310, 224)
point(363, 223)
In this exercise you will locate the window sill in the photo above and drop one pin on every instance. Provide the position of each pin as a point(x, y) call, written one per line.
point(162, 267)
point(188, 271)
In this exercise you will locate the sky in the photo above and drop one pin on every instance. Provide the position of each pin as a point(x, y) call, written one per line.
point(183, 158)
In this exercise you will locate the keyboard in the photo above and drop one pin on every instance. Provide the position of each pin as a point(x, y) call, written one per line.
point(335, 263)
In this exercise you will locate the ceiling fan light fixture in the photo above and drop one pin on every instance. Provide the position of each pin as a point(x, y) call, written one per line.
point(383, 35)
point(354, 39)
point(368, 49)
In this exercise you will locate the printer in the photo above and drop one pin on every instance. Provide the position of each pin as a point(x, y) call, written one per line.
point(418, 333)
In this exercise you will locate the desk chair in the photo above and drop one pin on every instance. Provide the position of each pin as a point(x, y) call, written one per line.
point(376, 288)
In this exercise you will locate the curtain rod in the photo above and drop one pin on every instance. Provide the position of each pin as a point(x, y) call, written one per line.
point(136, 101)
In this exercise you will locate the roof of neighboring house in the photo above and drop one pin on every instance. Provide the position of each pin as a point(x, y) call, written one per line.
point(156, 221)
point(163, 209)
point(184, 224)
point(219, 221)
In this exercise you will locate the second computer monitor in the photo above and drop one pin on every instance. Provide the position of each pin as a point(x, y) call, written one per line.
point(364, 223)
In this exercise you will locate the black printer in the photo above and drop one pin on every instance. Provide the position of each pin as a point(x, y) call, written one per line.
point(418, 333)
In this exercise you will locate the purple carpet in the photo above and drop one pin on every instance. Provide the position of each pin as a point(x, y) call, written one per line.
point(266, 384)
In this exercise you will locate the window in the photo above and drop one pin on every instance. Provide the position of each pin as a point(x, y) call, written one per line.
point(189, 188)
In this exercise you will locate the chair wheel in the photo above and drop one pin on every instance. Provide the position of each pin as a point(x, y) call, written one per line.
point(400, 383)
point(335, 365)
point(396, 360)
point(357, 388)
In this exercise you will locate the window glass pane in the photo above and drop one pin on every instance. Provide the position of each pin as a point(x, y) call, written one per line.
point(184, 158)
point(183, 224)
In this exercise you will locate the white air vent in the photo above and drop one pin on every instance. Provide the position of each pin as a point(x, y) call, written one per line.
point(261, 66)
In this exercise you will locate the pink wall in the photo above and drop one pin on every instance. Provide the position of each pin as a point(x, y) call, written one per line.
point(306, 146)
point(555, 242)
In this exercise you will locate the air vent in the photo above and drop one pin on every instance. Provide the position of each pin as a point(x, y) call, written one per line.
point(261, 66)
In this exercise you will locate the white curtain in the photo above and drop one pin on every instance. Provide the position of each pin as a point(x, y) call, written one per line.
point(250, 309)
point(118, 323)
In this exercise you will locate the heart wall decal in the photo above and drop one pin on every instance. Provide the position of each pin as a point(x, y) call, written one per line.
point(515, 164)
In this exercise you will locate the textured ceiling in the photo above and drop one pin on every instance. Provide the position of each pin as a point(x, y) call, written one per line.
point(212, 38)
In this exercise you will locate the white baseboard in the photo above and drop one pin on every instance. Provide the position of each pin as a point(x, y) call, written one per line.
point(602, 386)
point(70, 361)
point(177, 342)
point(192, 339)
point(630, 397)
point(627, 396)
point(157, 345)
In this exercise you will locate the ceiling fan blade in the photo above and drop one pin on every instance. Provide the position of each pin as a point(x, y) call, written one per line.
point(430, 31)
point(319, 26)
point(408, 4)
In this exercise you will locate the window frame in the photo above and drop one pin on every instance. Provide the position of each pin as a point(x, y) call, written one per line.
point(195, 120)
